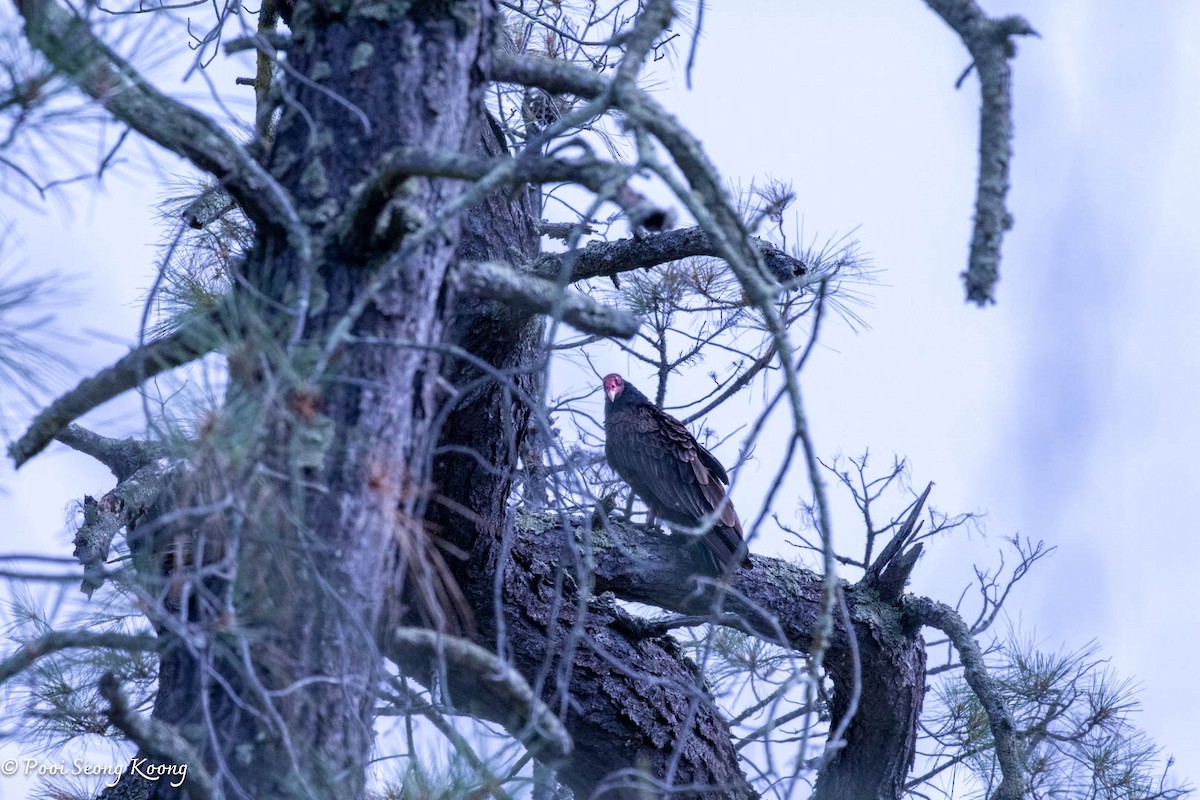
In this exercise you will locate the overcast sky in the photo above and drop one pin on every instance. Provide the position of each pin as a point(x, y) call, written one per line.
point(1067, 412)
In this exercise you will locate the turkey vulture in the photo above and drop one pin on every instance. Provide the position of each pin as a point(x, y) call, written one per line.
point(680, 481)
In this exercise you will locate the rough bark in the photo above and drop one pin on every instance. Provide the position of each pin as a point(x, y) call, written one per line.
point(641, 720)
point(628, 704)
point(781, 603)
point(341, 452)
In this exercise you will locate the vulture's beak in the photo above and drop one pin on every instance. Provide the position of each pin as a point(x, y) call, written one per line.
point(610, 394)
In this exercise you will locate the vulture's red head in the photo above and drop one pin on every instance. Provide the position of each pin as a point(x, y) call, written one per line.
point(614, 384)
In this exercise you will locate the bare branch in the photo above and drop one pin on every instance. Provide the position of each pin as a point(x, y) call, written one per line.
point(531, 293)
point(642, 252)
point(123, 457)
point(741, 382)
point(1004, 731)
point(69, 44)
point(990, 43)
point(259, 41)
point(605, 178)
point(992, 593)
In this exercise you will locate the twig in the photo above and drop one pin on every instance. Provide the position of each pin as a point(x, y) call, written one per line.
point(56, 641)
point(69, 44)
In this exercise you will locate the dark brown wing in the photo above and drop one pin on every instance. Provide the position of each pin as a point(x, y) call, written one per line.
point(673, 474)
point(714, 466)
point(707, 472)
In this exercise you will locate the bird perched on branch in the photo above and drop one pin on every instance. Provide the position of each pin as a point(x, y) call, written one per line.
point(674, 475)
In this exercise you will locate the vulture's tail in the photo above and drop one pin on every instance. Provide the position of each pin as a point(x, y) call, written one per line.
point(723, 549)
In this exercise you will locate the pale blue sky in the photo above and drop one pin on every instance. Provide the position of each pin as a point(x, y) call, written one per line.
point(1066, 412)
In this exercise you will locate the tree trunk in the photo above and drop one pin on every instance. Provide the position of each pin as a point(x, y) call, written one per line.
point(630, 705)
point(333, 478)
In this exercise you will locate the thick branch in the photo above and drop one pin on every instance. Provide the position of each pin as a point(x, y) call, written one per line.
point(152, 358)
point(1004, 731)
point(642, 252)
point(604, 178)
point(637, 712)
point(990, 43)
point(648, 567)
point(68, 43)
point(176, 762)
point(530, 293)
point(121, 507)
point(782, 604)
point(488, 687)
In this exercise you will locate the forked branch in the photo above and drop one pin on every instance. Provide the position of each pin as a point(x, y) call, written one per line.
point(889, 572)
point(173, 350)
